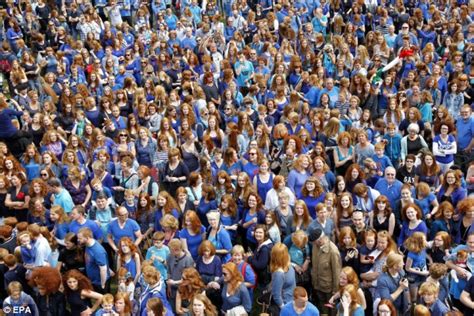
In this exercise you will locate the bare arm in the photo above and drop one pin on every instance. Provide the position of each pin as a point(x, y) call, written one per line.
point(95, 296)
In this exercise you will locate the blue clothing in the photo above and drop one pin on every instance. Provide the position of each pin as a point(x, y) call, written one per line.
point(64, 200)
point(159, 214)
point(283, 285)
point(296, 181)
point(74, 227)
point(465, 132)
point(95, 257)
point(289, 310)
point(456, 196)
point(6, 116)
point(386, 285)
point(382, 162)
point(193, 241)
point(129, 230)
point(425, 203)
point(239, 297)
point(311, 203)
point(392, 191)
point(161, 253)
point(222, 241)
point(407, 231)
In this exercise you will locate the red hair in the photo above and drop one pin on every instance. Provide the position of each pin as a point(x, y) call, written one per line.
point(83, 282)
point(195, 221)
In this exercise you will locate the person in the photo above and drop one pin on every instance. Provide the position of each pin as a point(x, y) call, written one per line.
point(300, 304)
point(392, 284)
point(177, 261)
point(390, 186)
point(79, 291)
point(202, 306)
point(96, 259)
point(464, 137)
point(19, 301)
point(385, 307)
point(235, 296)
point(429, 296)
point(60, 196)
point(350, 302)
point(326, 267)
point(260, 258)
point(155, 288)
point(283, 275)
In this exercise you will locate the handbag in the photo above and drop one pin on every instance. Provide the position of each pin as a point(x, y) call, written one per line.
point(268, 304)
point(119, 196)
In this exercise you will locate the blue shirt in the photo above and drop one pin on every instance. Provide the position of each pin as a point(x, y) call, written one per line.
point(392, 192)
point(74, 227)
point(128, 230)
point(465, 132)
point(95, 257)
point(289, 310)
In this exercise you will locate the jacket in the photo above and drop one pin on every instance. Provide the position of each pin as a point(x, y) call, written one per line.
point(326, 267)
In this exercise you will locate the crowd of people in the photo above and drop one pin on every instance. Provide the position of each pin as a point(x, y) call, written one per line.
point(238, 157)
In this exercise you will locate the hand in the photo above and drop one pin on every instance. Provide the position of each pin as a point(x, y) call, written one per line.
point(428, 216)
point(404, 284)
point(254, 220)
point(170, 282)
point(346, 302)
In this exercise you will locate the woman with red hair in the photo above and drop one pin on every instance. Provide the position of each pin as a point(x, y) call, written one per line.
point(79, 291)
point(234, 293)
point(192, 233)
point(129, 257)
point(50, 300)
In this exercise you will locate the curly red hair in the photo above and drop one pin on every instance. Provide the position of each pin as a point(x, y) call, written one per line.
point(83, 282)
point(46, 277)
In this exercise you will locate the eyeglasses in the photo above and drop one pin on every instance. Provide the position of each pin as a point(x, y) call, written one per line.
point(44, 174)
point(122, 215)
point(252, 154)
point(384, 312)
point(205, 113)
point(123, 135)
point(380, 202)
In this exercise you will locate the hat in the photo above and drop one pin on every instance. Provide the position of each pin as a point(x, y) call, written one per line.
point(315, 234)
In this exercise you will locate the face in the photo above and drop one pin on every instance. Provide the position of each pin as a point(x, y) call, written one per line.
point(72, 283)
point(406, 194)
point(370, 241)
point(198, 307)
point(384, 310)
point(411, 214)
point(358, 219)
point(382, 244)
point(429, 161)
point(119, 305)
point(161, 201)
point(299, 210)
point(259, 234)
point(310, 186)
point(343, 279)
point(252, 201)
point(450, 178)
point(341, 186)
point(345, 202)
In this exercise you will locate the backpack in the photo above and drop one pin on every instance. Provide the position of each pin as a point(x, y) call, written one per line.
point(242, 271)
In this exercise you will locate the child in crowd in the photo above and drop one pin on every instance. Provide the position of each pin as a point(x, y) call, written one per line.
point(18, 303)
point(300, 258)
point(381, 160)
point(439, 247)
point(131, 203)
point(107, 306)
point(365, 251)
point(98, 188)
point(416, 263)
point(158, 253)
point(27, 251)
point(125, 282)
point(460, 262)
point(393, 144)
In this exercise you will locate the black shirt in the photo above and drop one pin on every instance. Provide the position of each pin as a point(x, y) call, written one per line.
point(404, 176)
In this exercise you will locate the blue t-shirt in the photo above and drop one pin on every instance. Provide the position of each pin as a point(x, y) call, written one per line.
point(95, 257)
point(289, 310)
point(193, 241)
point(74, 227)
point(128, 230)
